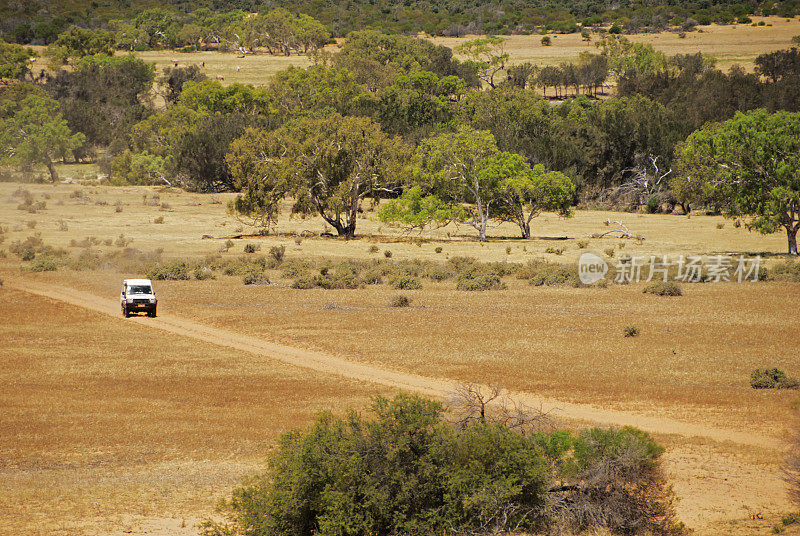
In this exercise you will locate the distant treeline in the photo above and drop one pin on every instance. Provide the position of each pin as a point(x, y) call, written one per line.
point(179, 23)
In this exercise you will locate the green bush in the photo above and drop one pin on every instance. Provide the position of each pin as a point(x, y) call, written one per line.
point(480, 278)
point(254, 277)
point(174, 270)
point(653, 206)
point(541, 273)
point(663, 288)
point(373, 276)
point(772, 378)
point(43, 264)
point(305, 281)
point(408, 470)
point(404, 471)
point(294, 267)
point(405, 282)
point(437, 272)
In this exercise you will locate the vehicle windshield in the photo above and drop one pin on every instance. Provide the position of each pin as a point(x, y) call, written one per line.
point(140, 289)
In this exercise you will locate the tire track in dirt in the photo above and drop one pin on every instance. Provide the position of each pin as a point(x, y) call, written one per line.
point(436, 387)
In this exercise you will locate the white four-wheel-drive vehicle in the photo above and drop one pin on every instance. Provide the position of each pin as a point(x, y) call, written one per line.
point(138, 296)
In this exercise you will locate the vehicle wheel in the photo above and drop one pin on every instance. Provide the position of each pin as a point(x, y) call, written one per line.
point(125, 312)
point(151, 314)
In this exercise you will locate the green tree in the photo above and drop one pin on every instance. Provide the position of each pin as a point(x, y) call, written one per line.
point(752, 162)
point(296, 92)
point(487, 55)
point(38, 134)
point(627, 59)
point(212, 97)
point(173, 79)
point(77, 42)
point(330, 166)
point(15, 60)
point(103, 96)
point(449, 166)
point(524, 191)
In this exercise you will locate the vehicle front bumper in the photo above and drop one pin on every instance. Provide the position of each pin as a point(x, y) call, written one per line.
point(145, 306)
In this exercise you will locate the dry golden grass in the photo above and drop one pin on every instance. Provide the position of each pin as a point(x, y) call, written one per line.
point(691, 360)
point(106, 424)
point(729, 44)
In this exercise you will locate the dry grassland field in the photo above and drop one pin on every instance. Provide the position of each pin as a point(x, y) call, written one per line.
point(112, 425)
point(729, 44)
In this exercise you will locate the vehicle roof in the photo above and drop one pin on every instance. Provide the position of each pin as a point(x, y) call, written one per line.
point(138, 282)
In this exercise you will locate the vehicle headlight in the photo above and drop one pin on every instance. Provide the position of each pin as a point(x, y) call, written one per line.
point(129, 300)
point(152, 300)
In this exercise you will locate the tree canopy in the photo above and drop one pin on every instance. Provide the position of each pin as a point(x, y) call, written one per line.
point(37, 133)
point(751, 163)
point(329, 165)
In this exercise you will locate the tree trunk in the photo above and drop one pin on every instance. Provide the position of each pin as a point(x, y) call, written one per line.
point(791, 235)
point(346, 230)
point(54, 174)
point(525, 228)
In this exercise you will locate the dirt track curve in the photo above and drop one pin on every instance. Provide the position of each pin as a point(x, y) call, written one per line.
point(436, 387)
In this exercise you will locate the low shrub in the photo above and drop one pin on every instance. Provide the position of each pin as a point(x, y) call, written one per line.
point(173, 270)
point(295, 267)
point(582, 244)
point(399, 301)
point(663, 288)
point(609, 252)
point(43, 264)
point(251, 248)
point(387, 254)
point(437, 272)
point(772, 378)
point(541, 273)
point(554, 251)
point(374, 249)
point(481, 277)
point(373, 276)
point(202, 273)
point(788, 271)
point(405, 282)
point(437, 249)
point(277, 253)
point(460, 264)
point(254, 277)
point(305, 281)
point(630, 330)
point(159, 220)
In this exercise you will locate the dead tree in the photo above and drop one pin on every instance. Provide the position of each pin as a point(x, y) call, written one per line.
point(620, 231)
point(645, 180)
point(473, 403)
